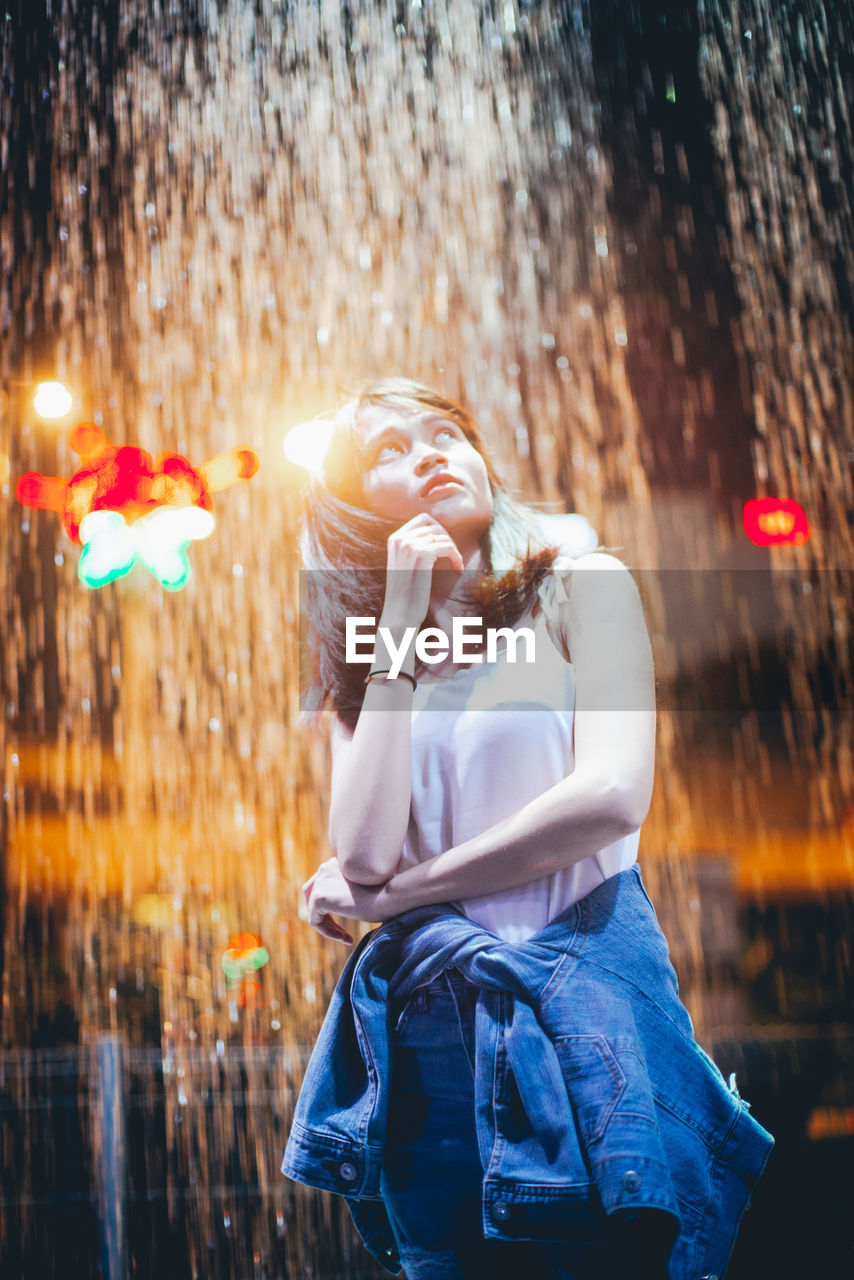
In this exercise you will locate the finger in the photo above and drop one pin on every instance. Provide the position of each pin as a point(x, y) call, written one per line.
point(439, 531)
point(319, 917)
point(423, 556)
point(432, 536)
point(329, 927)
point(429, 525)
point(445, 549)
point(418, 524)
point(412, 533)
point(407, 530)
point(454, 555)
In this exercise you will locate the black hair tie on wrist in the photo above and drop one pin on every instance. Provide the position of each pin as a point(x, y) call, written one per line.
point(386, 671)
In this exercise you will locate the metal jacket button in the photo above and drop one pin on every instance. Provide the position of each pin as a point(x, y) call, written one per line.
point(348, 1171)
point(501, 1210)
point(632, 1181)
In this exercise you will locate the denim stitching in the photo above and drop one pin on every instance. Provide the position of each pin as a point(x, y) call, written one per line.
point(497, 1138)
point(469, 1052)
point(609, 1059)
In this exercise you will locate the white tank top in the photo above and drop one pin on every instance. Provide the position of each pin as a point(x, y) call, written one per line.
point(487, 739)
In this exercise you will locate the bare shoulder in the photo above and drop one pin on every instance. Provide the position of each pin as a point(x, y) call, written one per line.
point(585, 595)
point(597, 576)
point(600, 590)
point(598, 560)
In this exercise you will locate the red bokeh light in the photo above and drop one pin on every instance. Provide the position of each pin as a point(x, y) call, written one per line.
point(775, 522)
point(128, 480)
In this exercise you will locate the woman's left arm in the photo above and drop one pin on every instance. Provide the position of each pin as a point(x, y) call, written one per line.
point(607, 795)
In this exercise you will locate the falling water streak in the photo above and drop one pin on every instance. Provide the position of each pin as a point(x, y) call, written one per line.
point(786, 157)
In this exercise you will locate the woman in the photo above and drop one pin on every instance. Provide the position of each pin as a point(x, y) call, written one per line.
point(490, 1086)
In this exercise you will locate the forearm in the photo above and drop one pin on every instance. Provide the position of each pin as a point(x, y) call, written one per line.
point(369, 809)
point(572, 820)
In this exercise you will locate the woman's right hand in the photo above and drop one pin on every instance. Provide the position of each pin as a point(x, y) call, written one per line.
point(413, 551)
point(372, 773)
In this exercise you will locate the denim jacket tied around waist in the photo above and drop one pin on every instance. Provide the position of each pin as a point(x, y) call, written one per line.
point(592, 1097)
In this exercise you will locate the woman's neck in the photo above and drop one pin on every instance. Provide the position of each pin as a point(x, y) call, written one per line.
point(448, 594)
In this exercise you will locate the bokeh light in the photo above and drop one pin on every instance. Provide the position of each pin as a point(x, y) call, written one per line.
point(158, 540)
point(306, 444)
point(774, 522)
point(52, 400)
point(125, 507)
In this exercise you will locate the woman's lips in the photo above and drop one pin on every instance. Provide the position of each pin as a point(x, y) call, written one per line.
point(439, 484)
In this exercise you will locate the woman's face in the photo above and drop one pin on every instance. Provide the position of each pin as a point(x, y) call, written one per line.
point(423, 462)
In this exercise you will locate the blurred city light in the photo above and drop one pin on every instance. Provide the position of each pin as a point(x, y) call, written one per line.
point(125, 506)
point(306, 444)
point(52, 400)
point(774, 522)
point(158, 541)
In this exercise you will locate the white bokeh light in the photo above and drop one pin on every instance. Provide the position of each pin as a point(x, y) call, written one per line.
point(52, 400)
point(306, 444)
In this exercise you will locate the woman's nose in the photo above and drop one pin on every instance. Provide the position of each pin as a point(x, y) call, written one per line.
point(428, 457)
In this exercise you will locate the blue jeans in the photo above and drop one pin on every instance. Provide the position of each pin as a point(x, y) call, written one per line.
point(432, 1174)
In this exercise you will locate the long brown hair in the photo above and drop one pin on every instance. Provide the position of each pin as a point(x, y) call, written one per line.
point(344, 548)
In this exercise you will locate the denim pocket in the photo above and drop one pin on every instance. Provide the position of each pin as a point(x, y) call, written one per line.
point(595, 1081)
point(402, 1012)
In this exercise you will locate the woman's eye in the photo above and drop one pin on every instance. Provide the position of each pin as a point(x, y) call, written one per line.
point(446, 431)
point(389, 448)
